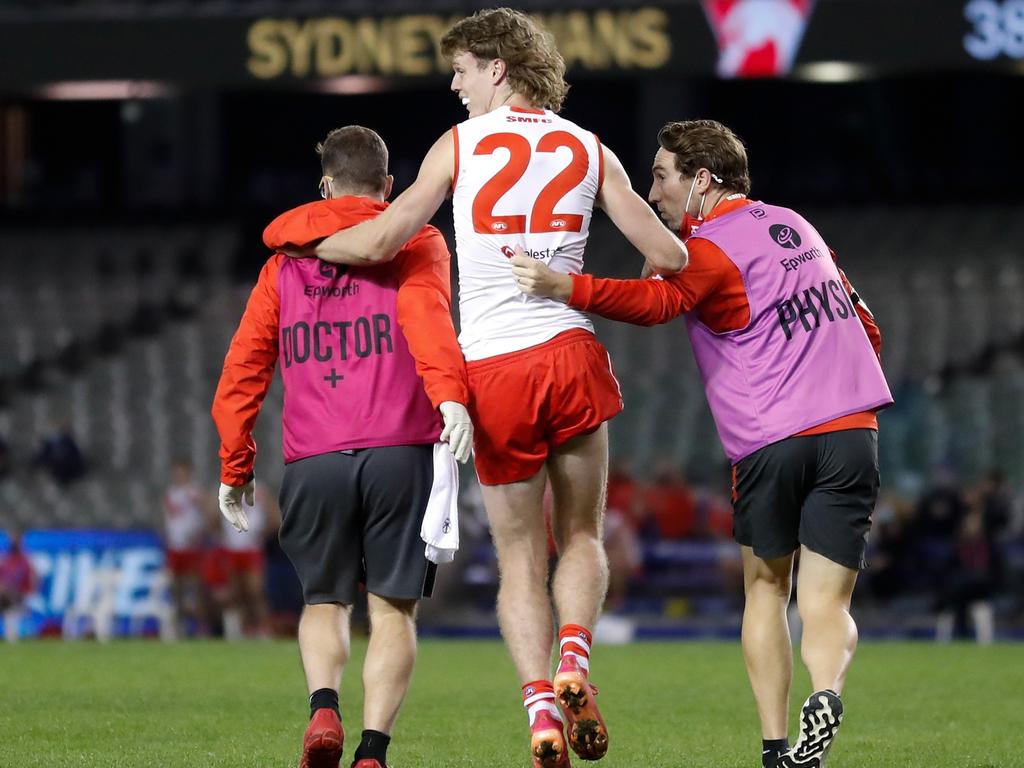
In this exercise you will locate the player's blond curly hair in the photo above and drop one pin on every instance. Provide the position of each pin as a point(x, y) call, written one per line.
point(536, 69)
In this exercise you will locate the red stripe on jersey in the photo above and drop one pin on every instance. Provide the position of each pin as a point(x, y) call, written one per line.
point(455, 170)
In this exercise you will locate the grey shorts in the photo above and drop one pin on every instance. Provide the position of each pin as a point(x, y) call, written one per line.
point(352, 518)
point(816, 490)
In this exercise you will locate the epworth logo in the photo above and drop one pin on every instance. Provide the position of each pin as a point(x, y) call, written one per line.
point(757, 38)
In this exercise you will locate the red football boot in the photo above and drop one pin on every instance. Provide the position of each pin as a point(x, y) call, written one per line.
point(321, 746)
point(588, 735)
point(547, 742)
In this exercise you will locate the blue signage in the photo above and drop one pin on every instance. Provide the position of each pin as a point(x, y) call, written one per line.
point(84, 576)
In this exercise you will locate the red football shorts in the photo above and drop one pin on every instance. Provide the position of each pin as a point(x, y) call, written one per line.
point(182, 561)
point(527, 402)
point(245, 560)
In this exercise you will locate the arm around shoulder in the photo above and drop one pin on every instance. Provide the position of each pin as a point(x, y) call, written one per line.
point(378, 241)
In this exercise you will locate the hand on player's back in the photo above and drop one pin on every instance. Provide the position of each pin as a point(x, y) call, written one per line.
point(535, 278)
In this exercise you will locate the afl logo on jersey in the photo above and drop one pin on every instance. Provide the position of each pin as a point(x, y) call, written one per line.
point(557, 223)
point(499, 226)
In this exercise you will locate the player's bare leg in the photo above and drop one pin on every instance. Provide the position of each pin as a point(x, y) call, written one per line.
point(823, 593)
point(516, 514)
point(767, 649)
point(390, 657)
point(579, 478)
point(324, 644)
point(578, 470)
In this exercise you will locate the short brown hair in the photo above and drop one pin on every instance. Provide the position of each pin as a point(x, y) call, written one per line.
point(536, 69)
point(707, 144)
point(356, 158)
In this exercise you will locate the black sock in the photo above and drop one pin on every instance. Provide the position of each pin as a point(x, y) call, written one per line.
point(374, 746)
point(770, 751)
point(324, 698)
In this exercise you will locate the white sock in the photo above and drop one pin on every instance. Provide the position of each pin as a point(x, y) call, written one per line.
point(541, 702)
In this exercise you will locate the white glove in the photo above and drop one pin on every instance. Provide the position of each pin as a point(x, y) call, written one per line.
point(230, 498)
point(458, 429)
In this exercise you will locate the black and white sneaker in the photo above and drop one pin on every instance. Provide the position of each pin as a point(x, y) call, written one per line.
point(819, 722)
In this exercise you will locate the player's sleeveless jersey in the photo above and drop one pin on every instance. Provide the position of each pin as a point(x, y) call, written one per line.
point(527, 178)
point(183, 517)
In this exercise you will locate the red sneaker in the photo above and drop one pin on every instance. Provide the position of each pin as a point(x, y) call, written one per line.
point(547, 742)
point(588, 735)
point(321, 746)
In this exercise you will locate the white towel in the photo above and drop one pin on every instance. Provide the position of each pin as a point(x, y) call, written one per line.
point(440, 529)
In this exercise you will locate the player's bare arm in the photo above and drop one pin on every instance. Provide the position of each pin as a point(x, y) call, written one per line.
point(664, 252)
point(378, 241)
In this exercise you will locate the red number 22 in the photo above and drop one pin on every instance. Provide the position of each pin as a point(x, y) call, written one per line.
point(543, 217)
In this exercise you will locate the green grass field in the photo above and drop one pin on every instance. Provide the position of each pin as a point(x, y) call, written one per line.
point(680, 704)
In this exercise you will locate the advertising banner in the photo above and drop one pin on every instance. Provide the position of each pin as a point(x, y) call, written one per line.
point(87, 577)
point(726, 38)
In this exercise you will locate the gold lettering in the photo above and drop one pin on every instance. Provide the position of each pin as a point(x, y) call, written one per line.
point(444, 66)
point(611, 40)
point(333, 47)
point(299, 42)
point(375, 52)
point(269, 58)
point(652, 44)
point(412, 45)
point(579, 40)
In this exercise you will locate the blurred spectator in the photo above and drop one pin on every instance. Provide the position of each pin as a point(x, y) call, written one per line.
point(669, 511)
point(996, 502)
point(714, 508)
point(5, 458)
point(16, 584)
point(60, 455)
point(889, 552)
point(184, 525)
point(933, 531)
point(247, 612)
point(970, 583)
point(623, 491)
point(625, 557)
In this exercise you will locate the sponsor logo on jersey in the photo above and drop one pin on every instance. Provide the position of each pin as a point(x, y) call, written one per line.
point(785, 236)
point(332, 271)
point(330, 291)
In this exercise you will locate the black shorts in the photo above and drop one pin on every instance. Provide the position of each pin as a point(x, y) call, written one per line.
point(816, 490)
point(354, 517)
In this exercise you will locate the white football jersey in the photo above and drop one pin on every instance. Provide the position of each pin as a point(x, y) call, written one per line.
point(527, 178)
point(183, 517)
